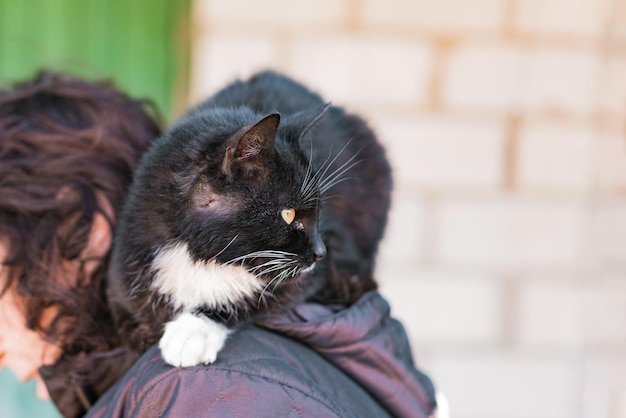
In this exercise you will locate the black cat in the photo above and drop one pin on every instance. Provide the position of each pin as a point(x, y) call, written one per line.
point(260, 197)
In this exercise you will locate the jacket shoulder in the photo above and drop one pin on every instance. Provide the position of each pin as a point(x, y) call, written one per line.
point(258, 373)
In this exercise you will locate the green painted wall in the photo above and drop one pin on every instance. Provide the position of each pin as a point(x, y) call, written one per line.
point(140, 44)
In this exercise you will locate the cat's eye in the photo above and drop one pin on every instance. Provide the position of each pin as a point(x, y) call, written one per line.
point(288, 215)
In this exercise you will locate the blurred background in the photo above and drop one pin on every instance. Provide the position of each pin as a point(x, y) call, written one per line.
point(505, 256)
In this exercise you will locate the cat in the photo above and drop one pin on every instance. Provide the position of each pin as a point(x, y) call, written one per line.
point(261, 197)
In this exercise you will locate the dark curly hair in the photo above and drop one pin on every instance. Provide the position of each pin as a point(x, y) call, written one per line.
point(65, 143)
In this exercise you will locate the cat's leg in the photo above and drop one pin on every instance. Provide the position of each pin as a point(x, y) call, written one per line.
point(191, 339)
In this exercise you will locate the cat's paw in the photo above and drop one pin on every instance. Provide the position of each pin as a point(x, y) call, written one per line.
point(189, 340)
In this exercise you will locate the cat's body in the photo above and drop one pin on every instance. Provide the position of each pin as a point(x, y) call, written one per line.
point(259, 198)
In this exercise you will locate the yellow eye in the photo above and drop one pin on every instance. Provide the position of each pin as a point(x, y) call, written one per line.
point(288, 215)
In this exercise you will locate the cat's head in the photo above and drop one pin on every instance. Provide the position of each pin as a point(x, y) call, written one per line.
point(259, 204)
point(230, 198)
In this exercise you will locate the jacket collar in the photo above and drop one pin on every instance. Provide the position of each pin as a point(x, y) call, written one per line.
point(367, 344)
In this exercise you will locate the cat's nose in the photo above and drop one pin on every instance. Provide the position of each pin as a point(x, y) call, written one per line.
point(319, 251)
point(317, 246)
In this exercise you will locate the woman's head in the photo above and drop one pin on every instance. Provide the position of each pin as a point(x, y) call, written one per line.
point(68, 148)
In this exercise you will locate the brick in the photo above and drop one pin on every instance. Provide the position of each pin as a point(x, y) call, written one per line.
point(621, 401)
point(554, 156)
point(505, 75)
point(604, 312)
point(352, 70)
point(610, 162)
point(403, 241)
point(511, 233)
point(444, 152)
point(273, 12)
point(608, 233)
point(510, 385)
point(482, 75)
point(563, 17)
point(549, 315)
point(613, 85)
point(561, 80)
point(218, 60)
point(605, 387)
point(444, 15)
point(439, 309)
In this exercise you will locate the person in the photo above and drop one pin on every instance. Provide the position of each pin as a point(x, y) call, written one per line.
point(68, 148)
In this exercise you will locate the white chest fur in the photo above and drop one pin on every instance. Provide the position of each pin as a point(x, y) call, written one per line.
point(190, 284)
point(191, 339)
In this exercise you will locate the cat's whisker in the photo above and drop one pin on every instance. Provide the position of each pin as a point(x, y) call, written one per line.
point(266, 286)
point(262, 254)
point(334, 182)
point(323, 180)
point(226, 247)
point(279, 278)
point(286, 275)
point(340, 171)
point(302, 135)
point(329, 164)
point(275, 268)
point(313, 181)
point(265, 268)
point(309, 172)
point(268, 263)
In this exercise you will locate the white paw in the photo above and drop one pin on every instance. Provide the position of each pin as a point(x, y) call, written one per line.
point(189, 340)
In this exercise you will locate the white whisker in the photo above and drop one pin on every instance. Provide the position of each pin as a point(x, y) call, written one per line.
point(227, 245)
point(262, 254)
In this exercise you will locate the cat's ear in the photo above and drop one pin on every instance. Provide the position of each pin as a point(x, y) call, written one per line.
point(251, 143)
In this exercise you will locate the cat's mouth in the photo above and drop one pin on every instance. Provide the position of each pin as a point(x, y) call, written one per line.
point(309, 269)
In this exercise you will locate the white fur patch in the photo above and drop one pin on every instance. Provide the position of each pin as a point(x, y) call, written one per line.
point(189, 340)
point(192, 284)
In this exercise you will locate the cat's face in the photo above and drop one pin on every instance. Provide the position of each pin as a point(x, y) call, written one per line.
point(260, 210)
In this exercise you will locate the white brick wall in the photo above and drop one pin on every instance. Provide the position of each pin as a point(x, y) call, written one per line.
point(555, 156)
point(434, 151)
point(505, 255)
point(550, 315)
point(603, 392)
point(563, 17)
point(468, 309)
point(610, 162)
point(442, 15)
point(353, 70)
point(608, 239)
point(511, 234)
point(403, 242)
point(604, 312)
point(559, 80)
point(613, 85)
point(274, 12)
point(509, 385)
point(483, 75)
point(228, 58)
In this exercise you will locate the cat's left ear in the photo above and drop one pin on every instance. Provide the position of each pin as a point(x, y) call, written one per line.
point(252, 142)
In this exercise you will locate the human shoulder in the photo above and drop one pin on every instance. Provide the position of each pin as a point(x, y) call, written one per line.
point(252, 377)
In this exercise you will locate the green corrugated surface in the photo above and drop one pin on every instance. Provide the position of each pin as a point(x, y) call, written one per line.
point(132, 41)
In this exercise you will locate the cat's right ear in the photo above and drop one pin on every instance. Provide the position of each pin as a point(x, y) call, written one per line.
point(249, 146)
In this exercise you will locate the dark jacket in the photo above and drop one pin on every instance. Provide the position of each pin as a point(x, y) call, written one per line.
point(311, 361)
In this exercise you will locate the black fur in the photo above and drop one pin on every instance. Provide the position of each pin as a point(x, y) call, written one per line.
point(218, 181)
